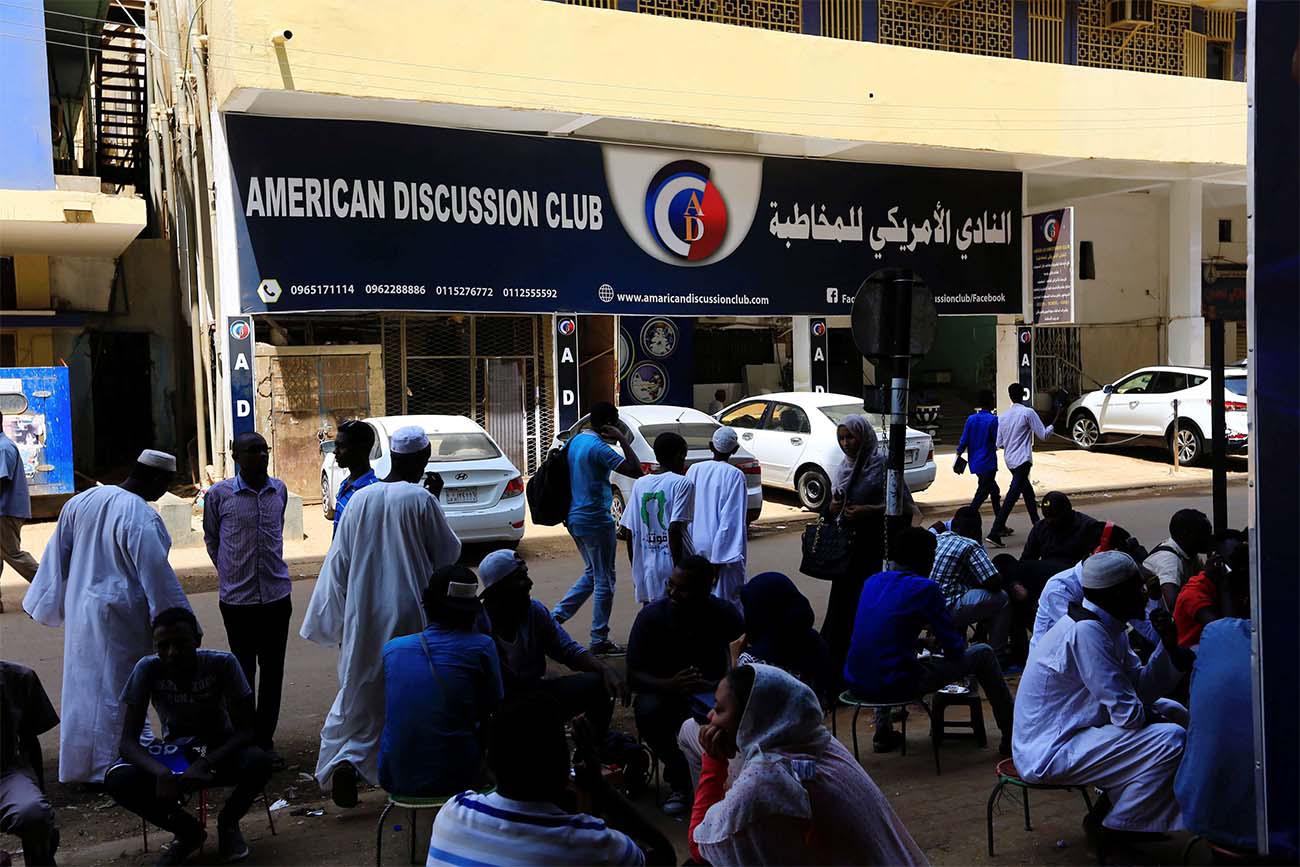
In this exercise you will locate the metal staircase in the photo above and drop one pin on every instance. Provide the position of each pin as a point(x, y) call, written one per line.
point(121, 103)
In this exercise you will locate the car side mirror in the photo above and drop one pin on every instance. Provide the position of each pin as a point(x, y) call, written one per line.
point(1107, 389)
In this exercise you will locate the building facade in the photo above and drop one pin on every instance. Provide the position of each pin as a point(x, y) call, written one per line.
point(412, 202)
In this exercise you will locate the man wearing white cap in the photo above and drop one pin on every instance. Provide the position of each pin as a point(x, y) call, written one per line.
point(1089, 713)
point(104, 577)
point(718, 527)
point(392, 537)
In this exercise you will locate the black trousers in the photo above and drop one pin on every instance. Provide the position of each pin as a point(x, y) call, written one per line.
point(583, 693)
point(1019, 487)
point(988, 488)
point(258, 635)
point(659, 716)
point(135, 789)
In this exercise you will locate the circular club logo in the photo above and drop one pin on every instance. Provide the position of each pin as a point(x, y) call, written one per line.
point(566, 326)
point(625, 353)
point(239, 329)
point(648, 383)
point(818, 329)
point(1026, 336)
point(659, 337)
point(685, 212)
point(605, 293)
point(1051, 228)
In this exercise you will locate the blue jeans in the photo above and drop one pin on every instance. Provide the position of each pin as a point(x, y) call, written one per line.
point(597, 548)
point(976, 606)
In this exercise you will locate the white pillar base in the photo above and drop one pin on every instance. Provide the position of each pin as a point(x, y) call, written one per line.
point(1187, 341)
point(801, 352)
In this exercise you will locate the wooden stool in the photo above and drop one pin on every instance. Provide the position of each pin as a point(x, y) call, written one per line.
point(941, 726)
point(1008, 776)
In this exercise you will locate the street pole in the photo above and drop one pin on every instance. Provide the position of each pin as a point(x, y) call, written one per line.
point(1218, 428)
point(898, 313)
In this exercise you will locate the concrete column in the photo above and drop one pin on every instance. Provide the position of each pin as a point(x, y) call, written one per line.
point(1186, 334)
point(801, 351)
point(1008, 366)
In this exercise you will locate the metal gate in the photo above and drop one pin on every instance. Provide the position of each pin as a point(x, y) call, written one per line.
point(491, 368)
point(1058, 359)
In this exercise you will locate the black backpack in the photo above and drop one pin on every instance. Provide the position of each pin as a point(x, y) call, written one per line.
point(548, 491)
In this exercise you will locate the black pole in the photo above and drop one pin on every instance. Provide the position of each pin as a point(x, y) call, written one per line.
point(1218, 428)
point(899, 316)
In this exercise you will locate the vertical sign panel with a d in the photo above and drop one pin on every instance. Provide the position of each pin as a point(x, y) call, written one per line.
point(239, 350)
point(566, 370)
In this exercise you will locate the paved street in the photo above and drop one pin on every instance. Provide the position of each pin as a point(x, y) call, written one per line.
point(927, 803)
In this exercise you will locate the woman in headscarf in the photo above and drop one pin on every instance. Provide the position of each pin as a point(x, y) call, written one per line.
point(799, 796)
point(857, 502)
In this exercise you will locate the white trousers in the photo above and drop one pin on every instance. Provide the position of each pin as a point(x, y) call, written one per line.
point(731, 577)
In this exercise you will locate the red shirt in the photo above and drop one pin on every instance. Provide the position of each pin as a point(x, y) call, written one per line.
point(1199, 593)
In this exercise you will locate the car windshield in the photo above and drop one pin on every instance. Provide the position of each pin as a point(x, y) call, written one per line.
point(1236, 385)
point(461, 447)
point(697, 434)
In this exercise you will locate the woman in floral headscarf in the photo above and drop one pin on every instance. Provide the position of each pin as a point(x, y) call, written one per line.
point(799, 796)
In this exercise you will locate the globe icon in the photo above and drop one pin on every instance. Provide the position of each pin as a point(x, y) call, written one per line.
point(605, 293)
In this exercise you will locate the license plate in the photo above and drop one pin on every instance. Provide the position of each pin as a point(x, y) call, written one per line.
point(452, 496)
point(911, 457)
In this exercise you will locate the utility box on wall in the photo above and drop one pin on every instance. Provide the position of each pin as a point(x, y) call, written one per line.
point(36, 403)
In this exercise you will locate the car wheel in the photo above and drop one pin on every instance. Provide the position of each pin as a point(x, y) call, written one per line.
point(1084, 431)
point(1187, 444)
point(617, 505)
point(325, 505)
point(814, 488)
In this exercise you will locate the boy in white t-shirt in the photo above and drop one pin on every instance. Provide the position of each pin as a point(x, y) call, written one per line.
point(656, 519)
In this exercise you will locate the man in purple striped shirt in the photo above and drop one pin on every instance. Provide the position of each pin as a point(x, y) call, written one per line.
point(243, 526)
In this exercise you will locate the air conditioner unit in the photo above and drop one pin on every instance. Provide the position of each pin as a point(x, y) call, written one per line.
point(1128, 14)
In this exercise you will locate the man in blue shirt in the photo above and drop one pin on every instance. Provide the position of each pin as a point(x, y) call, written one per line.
point(590, 523)
point(882, 663)
point(15, 509)
point(352, 446)
point(979, 439)
point(440, 686)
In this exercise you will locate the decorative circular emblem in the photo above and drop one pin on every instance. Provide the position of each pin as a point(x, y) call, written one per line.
point(1051, 228)
point(566, 326)
point(659, 337)
point(685, 211)
point(605, 293)
point(625, 354)
point(648, 383)
point(239, 329)
point(818, 329)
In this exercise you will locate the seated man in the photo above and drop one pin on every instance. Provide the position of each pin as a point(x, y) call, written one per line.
point(204, 703)
point(892, 610)
point(1215, 785)
point(1064, 535)
point(440, 687)
point(526, 636)
point(530, 817)
point(678, 651)
point(971, 585)
point(1198, 602)
point(25, 715)
point(1087, 710)
point(1178, 558)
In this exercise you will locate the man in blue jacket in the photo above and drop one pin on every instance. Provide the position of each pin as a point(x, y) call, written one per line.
point(979, 440)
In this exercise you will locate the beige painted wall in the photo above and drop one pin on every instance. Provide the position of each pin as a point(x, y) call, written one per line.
point(1130, 238)
point(542, 55)
point(1110, 351)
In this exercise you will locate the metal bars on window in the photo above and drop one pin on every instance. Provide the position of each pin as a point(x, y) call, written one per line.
point(1155, 47)
point(786, 15)
point(1194, 59)
point(965, 26)
point(1047, 30)
point(842, 19)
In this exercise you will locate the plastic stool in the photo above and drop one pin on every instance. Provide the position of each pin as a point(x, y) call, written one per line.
point(941, 727)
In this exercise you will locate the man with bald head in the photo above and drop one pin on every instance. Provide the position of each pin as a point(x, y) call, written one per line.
point(243, 527)
point(392, 538)
point(104, 578)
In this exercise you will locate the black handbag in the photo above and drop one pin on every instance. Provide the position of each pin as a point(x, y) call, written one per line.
point(827, 550)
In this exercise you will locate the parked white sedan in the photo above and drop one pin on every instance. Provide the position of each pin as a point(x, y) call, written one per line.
point(482, 494)
point(644, 423)
point(1141, 404)
point(793, 435)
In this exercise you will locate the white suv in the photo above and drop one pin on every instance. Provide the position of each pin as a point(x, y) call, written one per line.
point(1141, 404)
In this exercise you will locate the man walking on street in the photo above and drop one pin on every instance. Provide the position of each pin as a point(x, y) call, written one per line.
point(104, 577)
point(656, 521)
point(979, 439)
point(718, 528)
point(393, 537)
point(352, 446)
point(1017, 428)
point(590, 523)
point(243, 526)
point(15, 508)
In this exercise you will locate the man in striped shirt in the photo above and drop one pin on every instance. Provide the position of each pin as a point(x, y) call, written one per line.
point(243, 527)
point(523, 821)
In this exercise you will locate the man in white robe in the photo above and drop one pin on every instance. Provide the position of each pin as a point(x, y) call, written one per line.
point(392, 537)
point(1089, 713)
point(718, 528)
point(104, 577)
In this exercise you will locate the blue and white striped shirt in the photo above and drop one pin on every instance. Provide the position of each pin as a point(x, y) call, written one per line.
point(475, 830)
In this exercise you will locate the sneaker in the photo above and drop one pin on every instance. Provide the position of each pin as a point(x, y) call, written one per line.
point(607, 648)
point(231, 844)
point(677, 804)
point(995, 541)
point(1008, 531)
point(886, 742)
point(344, 788)
point(180, 849)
